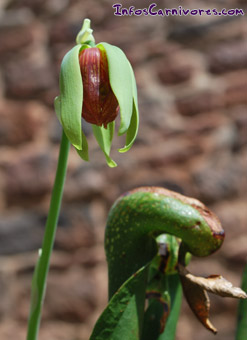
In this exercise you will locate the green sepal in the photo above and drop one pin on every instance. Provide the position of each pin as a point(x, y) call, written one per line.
point(83, 153)
point(104, 137)
point(134, 123)
point(71, 98)
point(123, 317)
point(120, 77)
point(132, 130)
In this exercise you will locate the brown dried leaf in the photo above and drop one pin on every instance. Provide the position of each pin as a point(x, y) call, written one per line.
point(197, 299)
point(195, 289)
point(215, 284)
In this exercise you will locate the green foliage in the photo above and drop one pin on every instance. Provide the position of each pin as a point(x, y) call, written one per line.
point(241, 333)
point(175, 292)
point(152, 317)
point(161, 316)
point(156, 228)
point(123, 317)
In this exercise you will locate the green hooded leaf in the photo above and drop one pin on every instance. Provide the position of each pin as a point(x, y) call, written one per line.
point(121, 82)
point(241, 333)
point(104, 138)
point(71, 99)
point(123, 317)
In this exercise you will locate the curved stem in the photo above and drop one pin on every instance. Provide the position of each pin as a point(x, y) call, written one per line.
point(42, 266)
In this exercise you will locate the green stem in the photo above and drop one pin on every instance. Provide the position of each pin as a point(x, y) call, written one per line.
point(42, 266)
point(241, 332)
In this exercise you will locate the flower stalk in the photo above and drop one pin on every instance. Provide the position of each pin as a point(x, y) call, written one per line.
point(42, 266)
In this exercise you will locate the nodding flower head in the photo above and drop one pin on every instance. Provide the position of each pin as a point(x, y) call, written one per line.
point(97, 83)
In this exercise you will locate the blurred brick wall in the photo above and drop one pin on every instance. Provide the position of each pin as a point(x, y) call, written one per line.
point(192, 83)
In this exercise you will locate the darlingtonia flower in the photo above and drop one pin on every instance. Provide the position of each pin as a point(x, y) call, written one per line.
point(97, 83)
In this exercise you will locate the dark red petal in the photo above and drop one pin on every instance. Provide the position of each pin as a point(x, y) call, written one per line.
point(100, 105)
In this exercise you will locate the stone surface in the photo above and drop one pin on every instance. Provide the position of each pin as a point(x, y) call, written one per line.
point(228, 57)
point(203, 101)
point(21, 123)
point(220, 179)
point(21, 79)
point(68, 299)
point(178, 67)
point(33, 167)
point(14, 230)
